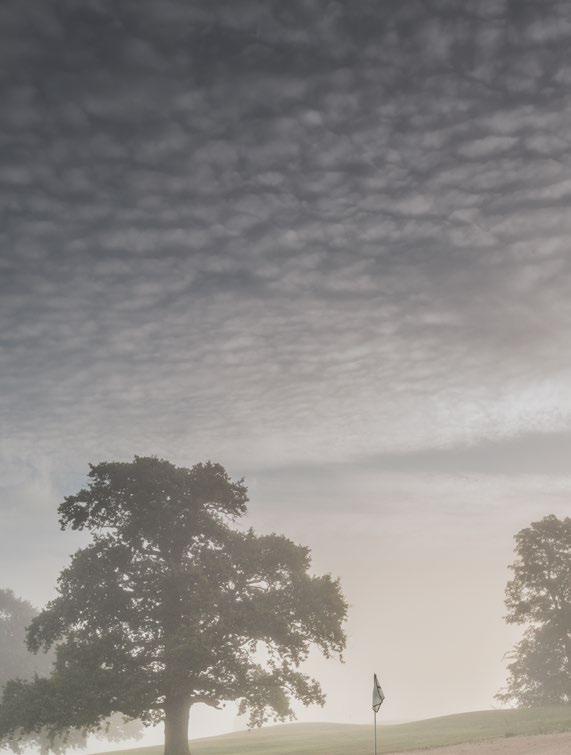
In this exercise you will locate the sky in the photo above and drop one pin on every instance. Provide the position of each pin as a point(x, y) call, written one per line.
point(325, 244)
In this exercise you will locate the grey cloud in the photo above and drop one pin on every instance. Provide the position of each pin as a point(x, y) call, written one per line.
point(524, 455)
point(252, 226)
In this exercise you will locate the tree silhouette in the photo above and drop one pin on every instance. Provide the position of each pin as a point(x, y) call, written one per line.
point(18, 663)
point(170, 605)
point(539, 595)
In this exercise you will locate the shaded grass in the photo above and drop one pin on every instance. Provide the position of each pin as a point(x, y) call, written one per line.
point(348, 739)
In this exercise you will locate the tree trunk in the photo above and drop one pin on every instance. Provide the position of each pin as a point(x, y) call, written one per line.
point(176, 727)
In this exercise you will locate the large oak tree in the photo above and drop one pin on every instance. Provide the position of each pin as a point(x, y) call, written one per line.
point(172, 605)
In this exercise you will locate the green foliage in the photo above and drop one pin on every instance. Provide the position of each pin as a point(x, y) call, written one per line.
point(32, 702)
point(16, 661)
point(170, 605)
point(539, 595)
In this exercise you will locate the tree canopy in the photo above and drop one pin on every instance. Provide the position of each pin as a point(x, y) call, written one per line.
point(18, 664)
point(172, 605)
point(539, 596)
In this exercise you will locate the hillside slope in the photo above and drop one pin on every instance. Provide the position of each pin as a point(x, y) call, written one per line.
point(345, 739)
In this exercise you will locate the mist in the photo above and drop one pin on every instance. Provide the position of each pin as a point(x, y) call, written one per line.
point(325, 245)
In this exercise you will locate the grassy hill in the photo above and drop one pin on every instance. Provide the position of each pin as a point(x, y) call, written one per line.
point(345, 739)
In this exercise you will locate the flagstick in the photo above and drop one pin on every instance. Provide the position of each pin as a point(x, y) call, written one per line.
point(378, 697)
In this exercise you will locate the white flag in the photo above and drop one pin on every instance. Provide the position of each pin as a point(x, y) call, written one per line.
point(378, 695)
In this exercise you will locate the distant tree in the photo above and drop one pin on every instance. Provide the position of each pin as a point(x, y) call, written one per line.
point(539, 595)
point(18, 663)
point(170, 606)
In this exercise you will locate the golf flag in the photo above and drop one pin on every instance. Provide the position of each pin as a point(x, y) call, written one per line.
point(378, 695)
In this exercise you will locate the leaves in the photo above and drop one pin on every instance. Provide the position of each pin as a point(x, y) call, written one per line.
point(15, 659)
point(169, 601)
point(30, 700)
point(539, 595)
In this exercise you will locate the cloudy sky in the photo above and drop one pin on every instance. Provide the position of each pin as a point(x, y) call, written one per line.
point(325, 243)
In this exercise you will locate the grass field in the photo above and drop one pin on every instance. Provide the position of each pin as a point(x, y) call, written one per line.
point(347, 739)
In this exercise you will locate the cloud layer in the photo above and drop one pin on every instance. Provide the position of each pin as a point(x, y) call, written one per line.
point(270, 231)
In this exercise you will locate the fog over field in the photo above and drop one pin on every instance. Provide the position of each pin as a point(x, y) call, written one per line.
point(325, 244)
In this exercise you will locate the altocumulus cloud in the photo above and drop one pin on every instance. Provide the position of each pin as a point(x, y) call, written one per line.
point(272, 231)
